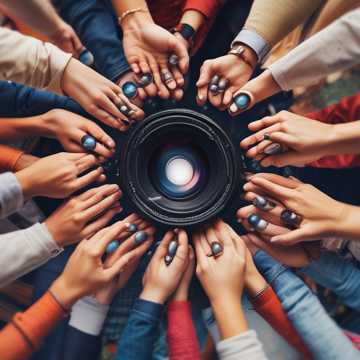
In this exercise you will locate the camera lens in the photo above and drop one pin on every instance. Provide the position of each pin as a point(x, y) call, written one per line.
point(179, 168)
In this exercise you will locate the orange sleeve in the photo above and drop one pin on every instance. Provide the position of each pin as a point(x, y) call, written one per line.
point(8, 158)
point(20, 338)
point(208, 8)
point(269, 307)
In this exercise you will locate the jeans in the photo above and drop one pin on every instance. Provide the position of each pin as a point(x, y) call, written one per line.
point(339, 275)
point(320, 333)
point(97, 26)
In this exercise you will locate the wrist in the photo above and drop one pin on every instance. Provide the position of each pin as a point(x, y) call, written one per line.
point(181, 295)
point(27, 184)
point(47, 123)
point(64, 293)
point(136, 20)
point(153, 295)
point(247, 54)
point(255, 284)
point(56, 233)
point(345, 223)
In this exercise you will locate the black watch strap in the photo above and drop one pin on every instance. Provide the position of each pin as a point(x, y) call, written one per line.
point(186, 31)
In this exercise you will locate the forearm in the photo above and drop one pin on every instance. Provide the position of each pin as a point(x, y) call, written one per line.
point(345, 138)
point(39, 15)
point(121, 6)
point(193, 18)
point(229, 316)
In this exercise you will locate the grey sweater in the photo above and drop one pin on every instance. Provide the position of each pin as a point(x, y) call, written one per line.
point(23, 250)
point(337, 47)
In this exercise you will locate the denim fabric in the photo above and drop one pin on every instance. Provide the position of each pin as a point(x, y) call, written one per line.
point(340, 275)
point(138, 339)
point(97, 27)
point(321, 334)
point(18, 100)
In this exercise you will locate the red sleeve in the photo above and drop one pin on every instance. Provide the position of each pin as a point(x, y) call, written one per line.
point(207, 7)
point(269, 307)
point(8, 158)
point(27, 330)
point(182, 338)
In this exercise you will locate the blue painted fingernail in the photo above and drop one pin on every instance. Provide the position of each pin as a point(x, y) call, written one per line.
point(112, 246)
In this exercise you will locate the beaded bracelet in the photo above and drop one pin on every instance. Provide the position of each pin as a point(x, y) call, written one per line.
point(128, 12)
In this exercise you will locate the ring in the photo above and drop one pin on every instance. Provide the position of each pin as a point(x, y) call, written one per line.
point(171, 251)
point(166, 76)
point(273, 149)
point(267, 136)
point(173, 59)
point(146, 79)
point(112, 246)
point(88, 142)
point(257, 222)
point(214, 84)
point(242, 101)
point(223, 84)
point(263, 203)
point(216, 249)
point(132, 228)
point(140, 237)
point(130, 89)
point(290, 219)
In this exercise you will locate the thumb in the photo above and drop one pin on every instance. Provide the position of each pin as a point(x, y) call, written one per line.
point(180, 50)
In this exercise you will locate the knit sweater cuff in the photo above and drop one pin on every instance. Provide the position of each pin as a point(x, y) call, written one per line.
point(11, 196)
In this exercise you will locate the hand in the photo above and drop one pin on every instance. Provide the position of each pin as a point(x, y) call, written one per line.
point(160, 281)
point(77, 281)
point(96, 94)
point(221, 277)
point(147, 48)
point(24, 161)
point(83, 215)
point(66, 39)
point(127, 249)
point(230, 67)
point(320, 214)
point(69, 128)
point(303, 140)
point(260, 88)
point(182, 291)
point(58, 176)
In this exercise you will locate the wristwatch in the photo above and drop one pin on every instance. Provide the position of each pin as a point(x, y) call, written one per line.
point(239, 51)
point(186, 31)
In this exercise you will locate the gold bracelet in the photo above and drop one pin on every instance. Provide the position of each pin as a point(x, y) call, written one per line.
point(129, 12)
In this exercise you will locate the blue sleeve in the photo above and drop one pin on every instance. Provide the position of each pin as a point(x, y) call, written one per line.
point(320, 333)
point(18, 100)
point(337, 274)
point(96, 24)
point(141, 332)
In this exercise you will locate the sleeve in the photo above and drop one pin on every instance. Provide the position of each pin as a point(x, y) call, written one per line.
point(269, 21)
point(241, 347)
point(24, 250)
point(20, 338)
point(11, 195)
point(182, 338)
point(9, 157)
point(320, 333)
point(139, 336)
point(88, 315)
point(337, 47)
point(208, 8)
point(30, 61)
point(337, 274)
point(269, 307)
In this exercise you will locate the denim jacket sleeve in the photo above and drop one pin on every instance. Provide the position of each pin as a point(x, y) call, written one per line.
point(340, 275)
point(320, 333)
point(141, 331)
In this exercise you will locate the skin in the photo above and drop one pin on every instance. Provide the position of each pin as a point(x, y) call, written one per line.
point(148, 46)
point(223, 277)
point(321, 215)
point(77, 281)
point(59, 175)
point(82, 216)
point(160, 281)
point(67, 127)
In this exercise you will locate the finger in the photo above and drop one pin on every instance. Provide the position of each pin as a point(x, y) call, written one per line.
point(105, 103)
point(271, 216)
point(206, 73)
point(106, 118)
point(291, 183)
point(211, 237)
point(202, 95)
point(101, 222)
point(78, 46)
point(277, 191)
point(99, 134)
point(201, 250)
point(94, 196)
point(151, 89)
point(283, 138)
point(162, 249)
point(291, 237)
point(264, 122)
point(168, 78)
point(258, 150)
point(228, 96)
point(177, 94)
point(88, 179)
point(161, 87)
point(179, 78)
point(101, 206)
point(183, 55)
point(86, 163)
point(281, 160)
point(135, 67)
point(182, 252)
point(259, 136)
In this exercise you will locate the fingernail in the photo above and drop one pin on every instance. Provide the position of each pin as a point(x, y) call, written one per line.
point(246, 186)
point(233, 108)
point(273, 149)
point(239, 220)
point(125, 122)
point(140, 237)
point(112, 246)
point(110, 144)
point(200, 97)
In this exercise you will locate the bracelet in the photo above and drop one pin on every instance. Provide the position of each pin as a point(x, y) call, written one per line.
point(63, 307)
point(129, 12)
point(238, 50)
point(256, 296)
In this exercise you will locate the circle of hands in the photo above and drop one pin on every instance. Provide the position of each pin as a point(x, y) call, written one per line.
point(85, 217)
